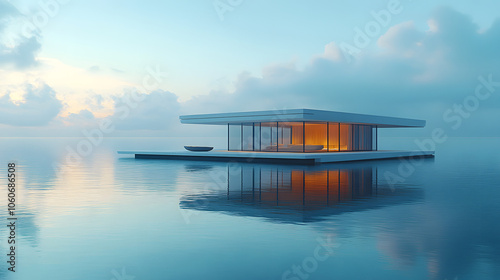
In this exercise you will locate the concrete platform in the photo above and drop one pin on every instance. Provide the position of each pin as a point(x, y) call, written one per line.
point(281, 157)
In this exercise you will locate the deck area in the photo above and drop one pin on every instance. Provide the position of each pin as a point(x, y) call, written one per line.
point(277, 157)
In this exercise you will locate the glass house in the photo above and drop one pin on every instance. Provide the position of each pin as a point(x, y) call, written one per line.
point(301, 130)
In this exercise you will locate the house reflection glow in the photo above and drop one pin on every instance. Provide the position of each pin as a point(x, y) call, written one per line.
point(298, 193)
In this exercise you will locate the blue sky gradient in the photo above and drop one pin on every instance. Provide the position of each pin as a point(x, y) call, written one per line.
point(421, 59)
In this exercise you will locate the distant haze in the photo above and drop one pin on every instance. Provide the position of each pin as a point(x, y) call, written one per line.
point(139, 66)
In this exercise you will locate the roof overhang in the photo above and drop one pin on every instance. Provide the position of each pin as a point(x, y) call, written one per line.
point(299, 115)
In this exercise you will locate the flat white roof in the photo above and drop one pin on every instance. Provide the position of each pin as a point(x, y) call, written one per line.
point(299, 115)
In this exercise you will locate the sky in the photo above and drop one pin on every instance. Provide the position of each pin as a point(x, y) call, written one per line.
point(70, 66)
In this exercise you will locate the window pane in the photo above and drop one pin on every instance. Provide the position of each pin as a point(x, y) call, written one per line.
point(333, 140)
point(247, 137)
point(355, 137)
point(367, 138)
point(362, 138)
point(234, 137)
point(345, 137)
point(274, 134)
point(291, 139)
point(256, 139)
point(266, 137)
point(286, 135)
point(316, 137)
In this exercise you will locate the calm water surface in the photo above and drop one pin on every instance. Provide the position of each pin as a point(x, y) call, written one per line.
point(112, 217)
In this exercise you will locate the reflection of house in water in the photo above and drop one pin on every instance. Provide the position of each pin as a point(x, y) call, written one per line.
point(300, 194)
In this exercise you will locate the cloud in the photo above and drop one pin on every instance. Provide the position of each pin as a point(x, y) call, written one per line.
point(6, 11)
point(82, 119)
point(412, 73)
point(38, 107)
point(154, 111)
point(117, 71)
point(94, 102)
point(95, 69)
point(77, 87)
point(22, 54)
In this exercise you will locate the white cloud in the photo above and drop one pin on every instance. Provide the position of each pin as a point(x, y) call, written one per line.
point(155, 111)
point(414, 73)
point(20, 54)
point(7, 11)
point(37, 107)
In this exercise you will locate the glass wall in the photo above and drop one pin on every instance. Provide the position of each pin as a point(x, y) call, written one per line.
point(274, 135)
point(301, 137)
point(333, 137)
point(234, 137)
point(316, 137)
point(257, 134)
point(267, 137)
point(365, 138)
point(293, 137)
point(248, 133)
point(345, 137)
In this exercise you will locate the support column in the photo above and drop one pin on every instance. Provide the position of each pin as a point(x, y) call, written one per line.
point(327, 136)
point(303, 137)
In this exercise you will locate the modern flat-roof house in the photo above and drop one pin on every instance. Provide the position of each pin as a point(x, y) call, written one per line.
point(301, 130)
point(297, 136)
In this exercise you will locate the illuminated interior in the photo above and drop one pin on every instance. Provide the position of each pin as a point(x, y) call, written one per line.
point(301, 137)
